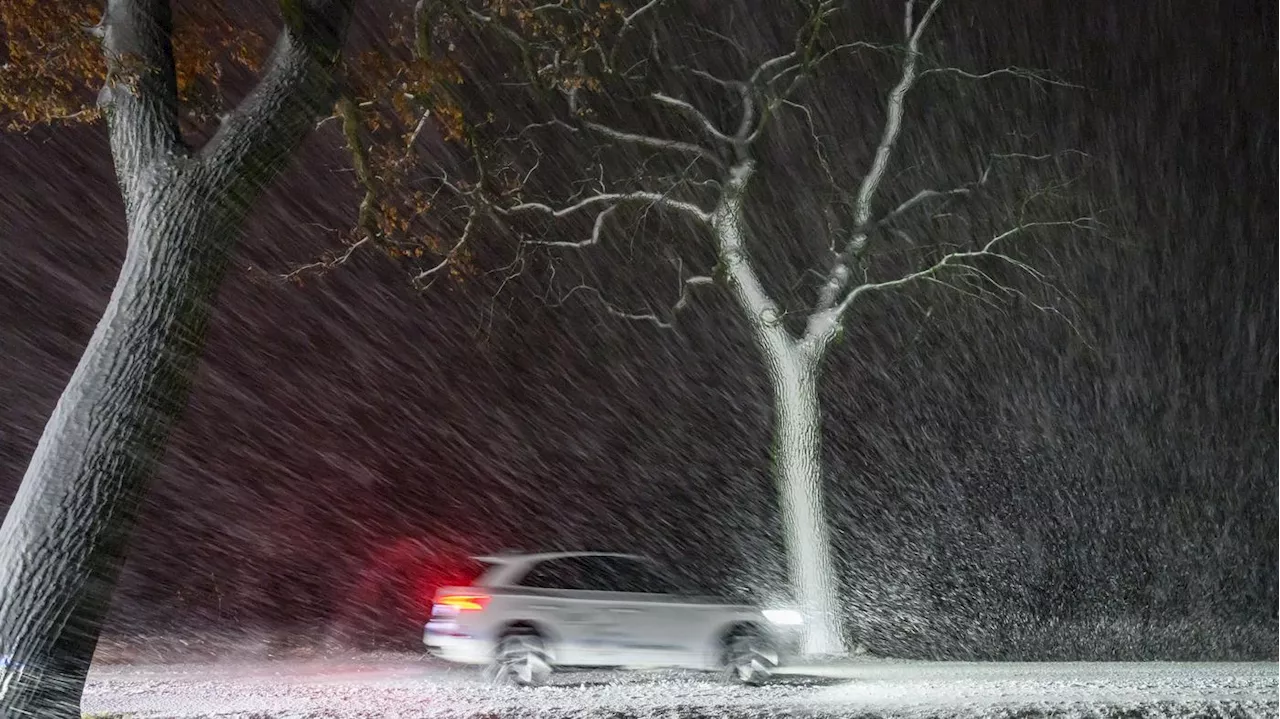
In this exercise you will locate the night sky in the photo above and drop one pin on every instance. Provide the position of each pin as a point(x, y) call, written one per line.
point(988, 468)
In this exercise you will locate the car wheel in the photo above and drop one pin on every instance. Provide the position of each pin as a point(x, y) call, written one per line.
point(749, 657)
point(521, 659)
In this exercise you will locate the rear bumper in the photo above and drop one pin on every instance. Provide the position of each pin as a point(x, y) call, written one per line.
point(453, 646)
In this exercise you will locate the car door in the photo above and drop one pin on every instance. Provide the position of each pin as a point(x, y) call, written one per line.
point(564, 594)
point(657, 625)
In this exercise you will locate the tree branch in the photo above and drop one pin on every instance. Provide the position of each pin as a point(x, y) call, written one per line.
point(893, 121)
point(594, 239)
point(1023, 73)
point(627, 23)
point(613, 198)
point(656, 143)
point(473, 216)
point(771, 71)
point(366, 219)
point(322, 265)
point(614, 310)
point(837, 278)
point(298, 85)
point(686, 287)
point(728, 221)
point(422, 18)
point(140, 96)
point(839, 275)
point(758, 76)
point(686, 290)
point(920, 198)
point(822, 323)
point(859, 45)
point(703, 121)
point(744, 90)
point(817, 141)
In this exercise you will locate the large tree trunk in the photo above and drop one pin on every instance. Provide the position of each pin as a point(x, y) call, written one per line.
point(63, 540)
point(793, 372)
point(797, 456)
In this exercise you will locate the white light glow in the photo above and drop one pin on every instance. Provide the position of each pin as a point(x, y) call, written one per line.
point(783, 617)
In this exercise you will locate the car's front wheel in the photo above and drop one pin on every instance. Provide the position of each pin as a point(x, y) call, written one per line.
point(521, 659)
point(749, 657)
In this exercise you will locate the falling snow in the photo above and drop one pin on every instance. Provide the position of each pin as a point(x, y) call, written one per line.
point(1003, 483)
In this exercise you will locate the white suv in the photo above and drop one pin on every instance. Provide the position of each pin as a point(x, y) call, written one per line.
point(528, 613)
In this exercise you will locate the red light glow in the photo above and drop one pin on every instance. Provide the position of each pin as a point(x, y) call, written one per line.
point(464, 602)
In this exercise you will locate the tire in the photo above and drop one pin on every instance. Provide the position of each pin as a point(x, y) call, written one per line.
point(521, 659)
point(749, 657)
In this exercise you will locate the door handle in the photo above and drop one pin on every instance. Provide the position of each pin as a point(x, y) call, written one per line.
point(625, 611)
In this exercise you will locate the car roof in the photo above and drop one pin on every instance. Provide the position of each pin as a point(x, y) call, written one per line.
point(522, 557)
point(507, 569)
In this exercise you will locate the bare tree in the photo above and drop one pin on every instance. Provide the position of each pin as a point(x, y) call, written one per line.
point(63, 539)
point(541, 168)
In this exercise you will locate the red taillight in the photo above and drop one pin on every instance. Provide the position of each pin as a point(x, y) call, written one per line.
point(464, 602)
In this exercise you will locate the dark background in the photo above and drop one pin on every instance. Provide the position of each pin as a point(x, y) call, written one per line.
point(998, 487)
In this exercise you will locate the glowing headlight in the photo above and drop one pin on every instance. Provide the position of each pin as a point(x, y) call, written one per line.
point(783, 617)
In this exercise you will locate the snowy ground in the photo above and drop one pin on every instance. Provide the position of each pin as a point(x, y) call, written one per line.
point(410, 686)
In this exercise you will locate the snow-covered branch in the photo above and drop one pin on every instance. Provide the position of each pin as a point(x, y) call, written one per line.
point(864, 221)
point(822, 324)
point(1036, 76)
point(611, 199)
point(473, 217)
point(327, 263)
point(746, 93)
point(656, 143)
point(614, 309)
point(839, 275)
point(857, 45)
point(722, 82)
point(763, 312)
point(703, 121)
point(629, 22)
point(686, 292)
point(762, 74)
point(596, 228)
point(920, 198)
point(893, 120)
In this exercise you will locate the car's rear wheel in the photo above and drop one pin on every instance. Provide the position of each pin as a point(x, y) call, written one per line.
point(749, 657)
point(521, 658)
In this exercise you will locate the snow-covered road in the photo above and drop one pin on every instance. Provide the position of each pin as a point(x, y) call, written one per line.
point(410, 686)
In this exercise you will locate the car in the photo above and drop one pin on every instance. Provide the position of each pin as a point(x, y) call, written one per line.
point(526, 615)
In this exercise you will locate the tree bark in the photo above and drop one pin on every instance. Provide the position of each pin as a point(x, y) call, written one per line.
point(797, 459)
point(793, 372)
point(64, 537)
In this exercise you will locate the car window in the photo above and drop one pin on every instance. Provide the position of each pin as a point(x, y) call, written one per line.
point(656, 580)
point(564, 573)
point(598, 574)
point(603, 574)
point(627, 574)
